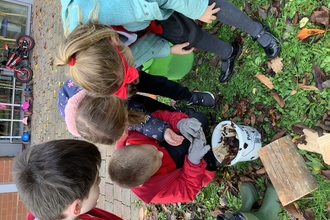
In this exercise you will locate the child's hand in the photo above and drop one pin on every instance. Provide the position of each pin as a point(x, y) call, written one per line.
point(178, 49)
point(208, 15)
point(172, 138)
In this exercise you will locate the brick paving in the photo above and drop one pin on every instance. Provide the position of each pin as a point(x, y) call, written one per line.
point(46, 124)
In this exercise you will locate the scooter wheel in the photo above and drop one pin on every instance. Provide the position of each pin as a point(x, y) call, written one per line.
point(25, 41)
point(25, 75)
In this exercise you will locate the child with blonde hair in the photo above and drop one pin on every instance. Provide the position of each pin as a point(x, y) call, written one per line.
point(160, 173)
point(59, 180)
point(151, 25)
point(102, 65)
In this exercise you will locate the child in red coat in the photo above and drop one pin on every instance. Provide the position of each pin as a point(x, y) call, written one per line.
point(159, 173)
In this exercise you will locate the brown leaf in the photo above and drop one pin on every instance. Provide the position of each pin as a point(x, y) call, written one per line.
point(261, 171)
point(320, 15)
point(241, 108)
point(308, 88)
point(308, 214)
point(276, 3)
point(326, 174)
point(295, 18)
point(253, 119)
point(215, 60)
point(295, 211)
point(261, 12)
point(278, 99)
point(276, 64)
point(306, 32)
point(278, 135)
point(265, 80)
point(298, 128)
point(247, 7)
point(318, 76)
point(245, 178)
point(225, 110)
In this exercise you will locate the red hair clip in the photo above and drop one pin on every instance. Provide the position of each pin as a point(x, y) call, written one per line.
point(72, 61)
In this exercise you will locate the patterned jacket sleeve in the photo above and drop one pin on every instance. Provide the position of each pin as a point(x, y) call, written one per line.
point(152, 127)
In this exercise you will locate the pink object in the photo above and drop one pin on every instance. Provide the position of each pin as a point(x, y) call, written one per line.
point(25, 106)
point(25, 120)
point(3, 105)
point(71, 110)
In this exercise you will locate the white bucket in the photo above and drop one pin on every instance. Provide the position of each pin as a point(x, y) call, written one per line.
point(249, 141)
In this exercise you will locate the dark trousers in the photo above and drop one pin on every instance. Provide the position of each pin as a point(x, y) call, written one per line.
point(179, 29)
point(178, 153)
point(160, 85)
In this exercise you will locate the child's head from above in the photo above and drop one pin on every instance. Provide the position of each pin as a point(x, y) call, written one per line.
point(92, 52)
point(97, 119)
point(58, 179)
point(101, 119)
point(132, 165)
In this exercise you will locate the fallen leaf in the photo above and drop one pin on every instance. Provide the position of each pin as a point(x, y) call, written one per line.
point(306, 32)
point(303, 22)
point(295, 18)
point(253, 119)
point(215, 60)
point(254, 91)
point(298, 128)
point(225, 110)
point(320, 15)
point(326, 173)
point(326, 84)
point(278, 99)
point(276, 64)
point(276, 3)
point(294, 210)
point(245, 178)
point(261, 171)
point(293, 92)
point(265, 80)
point(247, 7)
point(278, 135)
point(308, 88)
point(294, 139)
point(308, 214)
point(261, 13)
point(318, 76)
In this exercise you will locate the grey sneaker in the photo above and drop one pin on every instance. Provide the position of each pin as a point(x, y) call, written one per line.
point(202, 99)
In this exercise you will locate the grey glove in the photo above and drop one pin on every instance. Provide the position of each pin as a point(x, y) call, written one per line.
point(189, 128)
point(197, 150)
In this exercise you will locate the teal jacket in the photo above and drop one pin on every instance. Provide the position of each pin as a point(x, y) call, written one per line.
point(133, 15)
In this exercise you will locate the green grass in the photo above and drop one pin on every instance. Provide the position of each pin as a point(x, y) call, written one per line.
point(304, 106)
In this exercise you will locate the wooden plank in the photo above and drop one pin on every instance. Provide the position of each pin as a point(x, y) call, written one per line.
point(287, 170)
point(324, 144)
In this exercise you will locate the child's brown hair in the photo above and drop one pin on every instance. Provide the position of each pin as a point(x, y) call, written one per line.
point(52, 175)
point(132, 165)
point(94, 63)
point(105, 119)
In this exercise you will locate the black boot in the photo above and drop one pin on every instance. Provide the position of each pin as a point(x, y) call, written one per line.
point(226, 73)
point(268, 42)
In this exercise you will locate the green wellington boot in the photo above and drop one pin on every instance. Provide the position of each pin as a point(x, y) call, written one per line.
point(249, 196)
point(269, 209)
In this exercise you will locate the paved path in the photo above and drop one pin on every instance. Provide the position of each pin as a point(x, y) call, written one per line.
point(46, 122)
